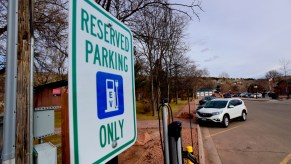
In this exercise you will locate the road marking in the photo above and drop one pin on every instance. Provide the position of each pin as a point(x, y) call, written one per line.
point(286, 159)
point(222, 131)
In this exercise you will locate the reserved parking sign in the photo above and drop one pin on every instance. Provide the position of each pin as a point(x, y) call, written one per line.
point(101, 84)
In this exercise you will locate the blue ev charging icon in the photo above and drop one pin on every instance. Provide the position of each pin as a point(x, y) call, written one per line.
point(110, 100)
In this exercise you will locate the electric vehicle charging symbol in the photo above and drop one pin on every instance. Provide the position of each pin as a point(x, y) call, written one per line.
point(110, 95)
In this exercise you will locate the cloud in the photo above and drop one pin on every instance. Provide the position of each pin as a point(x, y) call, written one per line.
point(200, 42)
point(211, 59)
point(204, 50)
point(251, 42)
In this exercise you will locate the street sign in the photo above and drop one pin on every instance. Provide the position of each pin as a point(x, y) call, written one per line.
point(101, 84)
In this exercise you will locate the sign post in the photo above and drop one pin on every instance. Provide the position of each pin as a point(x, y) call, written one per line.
point(101, 84)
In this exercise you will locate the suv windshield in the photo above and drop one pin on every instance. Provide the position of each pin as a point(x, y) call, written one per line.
point(215, 104)
point(209, 98)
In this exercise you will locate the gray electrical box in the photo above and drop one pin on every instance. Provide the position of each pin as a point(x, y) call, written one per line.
point(44, 123)
point(45, 153)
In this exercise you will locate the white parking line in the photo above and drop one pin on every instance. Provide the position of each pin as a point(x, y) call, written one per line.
point(286, 159)
point(211, 135)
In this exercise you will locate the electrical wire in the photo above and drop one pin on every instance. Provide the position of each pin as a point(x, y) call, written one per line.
point(170, 117)
point(171, 112)
point(161, 140)
point(190, 118)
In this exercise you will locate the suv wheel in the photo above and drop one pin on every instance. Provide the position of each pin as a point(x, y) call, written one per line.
point(225, 121)
point(243, 116)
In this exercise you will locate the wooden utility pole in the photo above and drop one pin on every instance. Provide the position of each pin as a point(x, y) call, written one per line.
point(22, 149)
point(65, 128)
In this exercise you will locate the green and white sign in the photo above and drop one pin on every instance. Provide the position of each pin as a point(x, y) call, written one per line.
point(101, 84)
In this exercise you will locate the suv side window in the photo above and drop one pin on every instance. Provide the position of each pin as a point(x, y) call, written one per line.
point(236, 102)
point(232, 102)
point(239, 102)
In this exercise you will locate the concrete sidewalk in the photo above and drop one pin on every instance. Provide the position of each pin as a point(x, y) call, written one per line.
point(177, 117)
point(210, 152)
point(155, 123)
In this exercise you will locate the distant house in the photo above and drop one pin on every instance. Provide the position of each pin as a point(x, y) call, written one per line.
point(205, 92)
point(48, 95)
point(280, 87)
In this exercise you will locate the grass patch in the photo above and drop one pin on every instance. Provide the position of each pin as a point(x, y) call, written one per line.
point(175, 107)
point(58, 119)
point(143, 109)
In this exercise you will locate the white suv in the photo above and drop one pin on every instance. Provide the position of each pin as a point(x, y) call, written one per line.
point(222, 110)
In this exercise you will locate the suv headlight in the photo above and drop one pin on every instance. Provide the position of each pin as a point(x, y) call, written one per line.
point(216, 113)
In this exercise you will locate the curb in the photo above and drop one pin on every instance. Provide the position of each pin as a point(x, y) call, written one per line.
point(207, 147)
point(253, 99)
point(200, 146)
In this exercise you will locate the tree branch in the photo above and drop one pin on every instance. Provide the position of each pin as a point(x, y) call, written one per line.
point(3, 30)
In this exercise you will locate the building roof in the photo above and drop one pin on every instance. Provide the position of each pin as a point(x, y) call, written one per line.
point(56, 84)
point(206, 90)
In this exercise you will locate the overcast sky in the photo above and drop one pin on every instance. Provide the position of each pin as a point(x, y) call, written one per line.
point(244, 38)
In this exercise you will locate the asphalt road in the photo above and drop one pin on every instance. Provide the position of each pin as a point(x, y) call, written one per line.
point(264, 138)
point(1, 140)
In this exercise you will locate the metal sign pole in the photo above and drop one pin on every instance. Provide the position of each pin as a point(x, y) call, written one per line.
point(8, 152)
point(165, 128)
point(31, 81)
point(31, 101)
point(175, 144)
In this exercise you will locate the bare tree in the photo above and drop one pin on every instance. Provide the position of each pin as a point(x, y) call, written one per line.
point(193, 79)
point(224, 75)
point(157, 26)
point(51, 39)
point(146, 28)
point(159, 33)
point(50, 31)
point(124, 10)
point(3, 17)
point(273, 75)
point(285, 71)
point(3, 34)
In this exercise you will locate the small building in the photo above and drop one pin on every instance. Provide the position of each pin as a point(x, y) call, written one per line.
point(205, 92)
point(48, 95)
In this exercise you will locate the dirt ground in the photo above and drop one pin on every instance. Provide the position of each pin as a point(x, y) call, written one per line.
point(147, 149)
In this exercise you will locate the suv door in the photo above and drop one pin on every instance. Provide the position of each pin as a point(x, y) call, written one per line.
point(239, 108)
point(232, 111)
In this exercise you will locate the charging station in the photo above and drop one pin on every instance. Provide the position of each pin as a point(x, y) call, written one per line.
point(172, 147)
point(44, 125)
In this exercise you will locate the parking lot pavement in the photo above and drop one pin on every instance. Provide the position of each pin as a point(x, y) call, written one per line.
point(263, 138)
point(210, 151)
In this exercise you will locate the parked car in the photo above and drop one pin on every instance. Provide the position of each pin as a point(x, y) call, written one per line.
point(222, 111)
point(236, 95)
point(243, 94)
point(258, 95)
point(227, 95)
point(252, 95)
point(247, 95)
point(273, 95)
point(204, 100)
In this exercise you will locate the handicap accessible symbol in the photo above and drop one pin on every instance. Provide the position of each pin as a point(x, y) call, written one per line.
point(110, 100)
